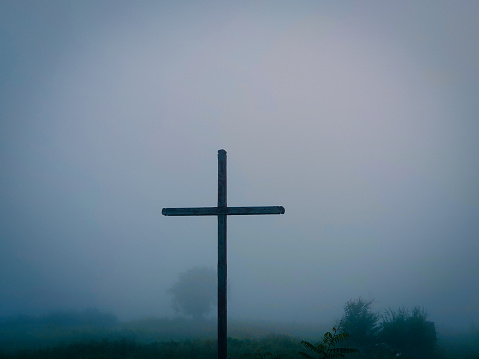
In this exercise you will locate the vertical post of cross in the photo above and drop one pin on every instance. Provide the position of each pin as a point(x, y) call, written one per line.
point(222, 259)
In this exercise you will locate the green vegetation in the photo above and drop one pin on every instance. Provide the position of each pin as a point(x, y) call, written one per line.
point(326, 349)
point(360, 322)
point(92, 334)
point(409, 332)
point(403, 333)
point(282, 347)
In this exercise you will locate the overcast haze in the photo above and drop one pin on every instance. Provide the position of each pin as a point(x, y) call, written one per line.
point(361, 119)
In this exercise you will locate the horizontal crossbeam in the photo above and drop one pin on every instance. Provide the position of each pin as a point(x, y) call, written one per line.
point(230, 211)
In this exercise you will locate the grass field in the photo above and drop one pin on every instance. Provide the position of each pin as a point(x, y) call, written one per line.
point(29, 337)
point(199, 348)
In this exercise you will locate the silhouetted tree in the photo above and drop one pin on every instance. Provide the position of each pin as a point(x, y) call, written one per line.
point(194, 294)
point(360, 322)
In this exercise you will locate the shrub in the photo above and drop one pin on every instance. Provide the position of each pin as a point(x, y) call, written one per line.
point(409, 332)
point(360, 322)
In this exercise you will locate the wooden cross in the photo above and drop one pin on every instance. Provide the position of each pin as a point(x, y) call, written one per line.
point(222, 211)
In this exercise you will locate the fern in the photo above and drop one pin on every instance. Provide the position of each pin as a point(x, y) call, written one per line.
point(326, 349)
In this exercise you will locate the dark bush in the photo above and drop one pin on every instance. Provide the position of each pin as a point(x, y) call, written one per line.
point(409, 332)
point(360, 322)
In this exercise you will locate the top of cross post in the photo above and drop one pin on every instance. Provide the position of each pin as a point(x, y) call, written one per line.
point(223, 152)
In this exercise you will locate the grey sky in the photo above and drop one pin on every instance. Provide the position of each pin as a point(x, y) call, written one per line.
point(360, 119)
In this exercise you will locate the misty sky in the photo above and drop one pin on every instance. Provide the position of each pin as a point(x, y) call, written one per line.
point(361, 119)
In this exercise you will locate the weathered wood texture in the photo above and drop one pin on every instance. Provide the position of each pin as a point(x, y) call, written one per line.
point(229, 211)
point(222, 211)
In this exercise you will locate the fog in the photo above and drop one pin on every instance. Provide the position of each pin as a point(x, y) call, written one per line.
point(360, 119)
